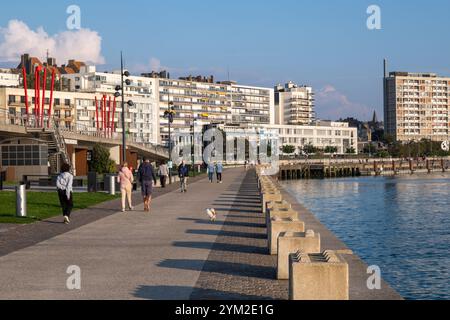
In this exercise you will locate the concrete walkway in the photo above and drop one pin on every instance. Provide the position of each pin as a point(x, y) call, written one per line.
point(121, 254)
point(172, 253)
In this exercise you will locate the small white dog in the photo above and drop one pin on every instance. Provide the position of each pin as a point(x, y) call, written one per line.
point(211, 214)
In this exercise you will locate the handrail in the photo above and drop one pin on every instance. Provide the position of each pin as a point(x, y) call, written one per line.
point(32, 122)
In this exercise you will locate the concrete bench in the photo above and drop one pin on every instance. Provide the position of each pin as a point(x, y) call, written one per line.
point(322, 276)
point(292, 242)
point(280, 213)
point(280, 225)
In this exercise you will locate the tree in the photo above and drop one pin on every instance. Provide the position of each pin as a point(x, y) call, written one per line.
point(330, 149)
point(309, 149)
point(288, 149)
point(350, 150)
point(101, 162)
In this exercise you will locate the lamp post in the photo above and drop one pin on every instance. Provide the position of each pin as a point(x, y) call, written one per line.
point(169, 115)
point(120, 93)
point(193, 145)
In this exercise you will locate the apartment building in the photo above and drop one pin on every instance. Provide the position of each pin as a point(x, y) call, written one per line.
point(9, 78)
point(294, 105)
point(195, 102)
point(142, 119)
point(322, 134)
point(417, 106)
point(251, 104)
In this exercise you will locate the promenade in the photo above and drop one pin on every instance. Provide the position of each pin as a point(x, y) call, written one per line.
point(172, 253)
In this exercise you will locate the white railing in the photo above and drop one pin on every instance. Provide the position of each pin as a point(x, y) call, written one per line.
point(33, 122)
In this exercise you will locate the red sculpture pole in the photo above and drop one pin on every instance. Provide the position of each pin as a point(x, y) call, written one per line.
point(50, 105)
point(39, 98)
point(96, 113)
point(104, 113)
point(109, 117)
point(44, 85)
point(25, 86)
point(36, 76)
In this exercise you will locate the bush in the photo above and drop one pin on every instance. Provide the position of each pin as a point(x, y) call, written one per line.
point(101, 162)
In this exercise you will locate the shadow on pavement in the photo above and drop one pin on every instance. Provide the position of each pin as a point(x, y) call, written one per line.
point(241, 248)
point(226, 223)
point(233, 234)
point(222, 267)
point(181, 293)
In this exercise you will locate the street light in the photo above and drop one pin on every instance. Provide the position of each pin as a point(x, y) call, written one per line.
point(120, 93)
point(169, 114)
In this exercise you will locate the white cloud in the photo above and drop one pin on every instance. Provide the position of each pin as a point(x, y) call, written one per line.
point(17, 38)
point(332, 104)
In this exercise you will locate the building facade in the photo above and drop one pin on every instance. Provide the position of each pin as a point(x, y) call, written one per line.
point(417, 106)
point(9, 78)
point(320, 135)
point(294, 105)
point(142, 119)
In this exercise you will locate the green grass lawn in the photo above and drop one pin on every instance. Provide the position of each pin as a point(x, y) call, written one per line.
point(43, 205)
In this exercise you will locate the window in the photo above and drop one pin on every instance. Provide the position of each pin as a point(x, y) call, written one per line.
point(67, 102)
point(24, 155)
point(12, 99)
point(57, 102)
point(68, 113)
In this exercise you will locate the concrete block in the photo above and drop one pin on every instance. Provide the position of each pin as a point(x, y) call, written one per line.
point(290, 243)
point(280, 225)
point(277, 204)
point(322, 276)
point(268, 197)
point(280, 212)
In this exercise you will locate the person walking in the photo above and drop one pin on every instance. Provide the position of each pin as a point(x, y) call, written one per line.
point(219, 171)
point(211, 170)
point(183, 174)
point(126, 180)
point(146, 176)
point(64, 185)
point(163, 174)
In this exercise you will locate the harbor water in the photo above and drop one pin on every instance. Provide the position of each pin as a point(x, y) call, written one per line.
point(401, 224)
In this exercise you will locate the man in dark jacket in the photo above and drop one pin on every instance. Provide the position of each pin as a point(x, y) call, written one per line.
point(183, 174)
point(146, 176)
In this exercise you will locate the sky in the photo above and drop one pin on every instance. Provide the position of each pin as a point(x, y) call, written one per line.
point(322, 43)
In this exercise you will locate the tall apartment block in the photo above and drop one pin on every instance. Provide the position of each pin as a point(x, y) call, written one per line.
point(417, 106)
point(200, 101)
point(294, 105)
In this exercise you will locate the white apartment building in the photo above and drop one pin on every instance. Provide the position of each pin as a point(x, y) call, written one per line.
point(142, 119)
point(321, 135)
point(417, 106)
point(195, 103)
point(206, 102)
point(252, 104)
point(294, 105)
point(8, 78)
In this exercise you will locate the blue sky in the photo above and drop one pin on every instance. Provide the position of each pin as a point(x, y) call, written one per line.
point(323, 43)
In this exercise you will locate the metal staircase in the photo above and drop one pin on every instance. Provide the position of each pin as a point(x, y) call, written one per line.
point(56, 144)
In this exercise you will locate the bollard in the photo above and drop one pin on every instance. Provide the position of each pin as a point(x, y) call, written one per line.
point(290, 243)
point(21, 201)
point(280, 212)
point(280, 225)
point(323, 276)
point(112, 185)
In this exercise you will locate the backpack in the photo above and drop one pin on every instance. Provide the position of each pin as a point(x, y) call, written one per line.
point(146, 172)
